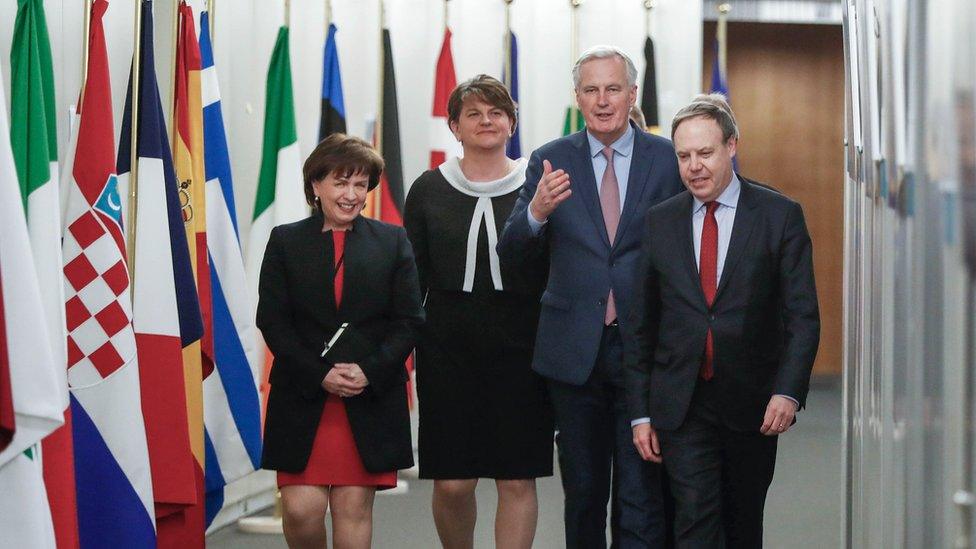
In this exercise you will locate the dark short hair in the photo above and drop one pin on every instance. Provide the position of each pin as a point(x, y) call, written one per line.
point(343, 155)
point(713, 106)
point(483, 87)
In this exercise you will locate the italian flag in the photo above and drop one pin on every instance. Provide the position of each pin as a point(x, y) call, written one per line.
point(31, 369)
point(280, 194)
point(33, 136)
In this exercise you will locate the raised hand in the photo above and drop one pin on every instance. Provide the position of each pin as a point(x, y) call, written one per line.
point(552, 190)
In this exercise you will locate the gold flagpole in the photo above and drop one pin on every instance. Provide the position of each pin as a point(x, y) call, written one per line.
point(328, 17)
point(721, 31)
point(377, 198)
point(574, 52)
point(84, 52)
point(211, 4)
point(648, 7)
point(288, 13)
point(172, 87)
point(447, 13)
point(134, 149)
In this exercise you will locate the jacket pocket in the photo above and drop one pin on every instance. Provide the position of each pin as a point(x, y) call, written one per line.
point(662, 356)
point(557, 301)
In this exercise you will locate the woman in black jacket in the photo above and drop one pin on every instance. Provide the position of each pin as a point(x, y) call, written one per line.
point(337, 425)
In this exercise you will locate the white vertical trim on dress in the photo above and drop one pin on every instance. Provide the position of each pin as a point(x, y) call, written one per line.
point(483, 212)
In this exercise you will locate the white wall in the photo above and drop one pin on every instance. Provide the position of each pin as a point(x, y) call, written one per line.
point(246, 30)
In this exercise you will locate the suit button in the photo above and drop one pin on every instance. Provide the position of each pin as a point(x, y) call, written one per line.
point(711, 317)
point(602, 303)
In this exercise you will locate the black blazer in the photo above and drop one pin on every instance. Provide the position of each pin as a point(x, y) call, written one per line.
point(765, 320)
point(297, 314)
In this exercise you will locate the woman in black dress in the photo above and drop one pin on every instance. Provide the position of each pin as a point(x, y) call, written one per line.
point(483, 412)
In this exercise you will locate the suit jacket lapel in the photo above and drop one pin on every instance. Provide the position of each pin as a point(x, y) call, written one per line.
point(745, 220)
point(320, 250)
point(354, 263)
point(686, 245)
point(640, 170)
point(583, 183)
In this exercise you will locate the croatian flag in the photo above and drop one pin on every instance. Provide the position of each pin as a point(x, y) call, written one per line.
point(166, 313)
point(112, 475)
point(232, 412)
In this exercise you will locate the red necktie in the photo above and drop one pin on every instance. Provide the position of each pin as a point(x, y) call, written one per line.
point(610, 204)
point(708, 273)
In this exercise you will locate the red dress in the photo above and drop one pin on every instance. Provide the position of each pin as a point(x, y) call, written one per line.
point(334, 460)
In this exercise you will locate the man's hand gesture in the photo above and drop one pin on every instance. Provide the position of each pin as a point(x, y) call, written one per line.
point(551, 191)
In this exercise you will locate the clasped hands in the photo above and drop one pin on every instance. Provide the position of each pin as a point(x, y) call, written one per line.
point(345, 380)
point(778, 419)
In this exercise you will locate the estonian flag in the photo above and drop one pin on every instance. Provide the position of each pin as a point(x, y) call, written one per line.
point(333, 117)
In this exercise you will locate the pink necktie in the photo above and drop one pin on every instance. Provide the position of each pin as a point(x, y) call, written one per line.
point(708, 273)
point(610, 204)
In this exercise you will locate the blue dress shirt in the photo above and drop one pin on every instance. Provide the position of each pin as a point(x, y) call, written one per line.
point(623, 149)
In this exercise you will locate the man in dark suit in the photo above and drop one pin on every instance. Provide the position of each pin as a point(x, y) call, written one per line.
point(583, 204)
point(726, 328)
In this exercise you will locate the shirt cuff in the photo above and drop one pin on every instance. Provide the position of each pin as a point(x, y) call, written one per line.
point(639, 421)
point(534, 224)
point(795, 401)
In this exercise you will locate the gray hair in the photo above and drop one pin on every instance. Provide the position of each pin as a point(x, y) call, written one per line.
point(605, 52)
point(713, 106)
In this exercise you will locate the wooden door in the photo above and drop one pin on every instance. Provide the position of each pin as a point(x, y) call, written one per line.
point(786, 84)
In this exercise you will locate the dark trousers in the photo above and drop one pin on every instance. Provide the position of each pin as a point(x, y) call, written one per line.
point(595, 439)
point(718, 477)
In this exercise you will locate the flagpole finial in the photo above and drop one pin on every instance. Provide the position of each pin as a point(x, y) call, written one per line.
point(509, 2)
point(649, 4)
point(576, 3)
point(725, 7)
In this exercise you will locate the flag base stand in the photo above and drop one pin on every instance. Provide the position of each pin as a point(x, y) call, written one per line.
point(263, 524)
point(260, 525)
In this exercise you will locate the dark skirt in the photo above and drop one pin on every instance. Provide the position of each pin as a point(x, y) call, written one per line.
point(483, 412)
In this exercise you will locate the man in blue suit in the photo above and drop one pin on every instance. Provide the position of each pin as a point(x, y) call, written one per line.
point(583, 204)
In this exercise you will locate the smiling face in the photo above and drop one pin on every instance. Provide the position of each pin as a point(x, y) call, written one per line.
point(482, 125)
point(604, 97)
point(342, 197)
point(704, 159)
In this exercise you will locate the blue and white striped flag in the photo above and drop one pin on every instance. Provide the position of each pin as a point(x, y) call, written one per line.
point(232, 413)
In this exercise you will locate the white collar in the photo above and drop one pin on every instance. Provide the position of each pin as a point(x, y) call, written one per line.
point(451, 170)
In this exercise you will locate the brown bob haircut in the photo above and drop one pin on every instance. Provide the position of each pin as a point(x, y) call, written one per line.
point(485, 88)
point(342, 155)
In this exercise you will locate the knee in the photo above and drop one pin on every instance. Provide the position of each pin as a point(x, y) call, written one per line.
point(301, 514)
point(455, 490)
point(355, 508)
point(516, 489)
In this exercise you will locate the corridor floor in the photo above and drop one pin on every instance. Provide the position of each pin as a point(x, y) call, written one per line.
point(802, 511)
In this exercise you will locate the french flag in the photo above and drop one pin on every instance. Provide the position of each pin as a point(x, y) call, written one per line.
point(112, 474)
point(166, 313)
point(231, 408)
